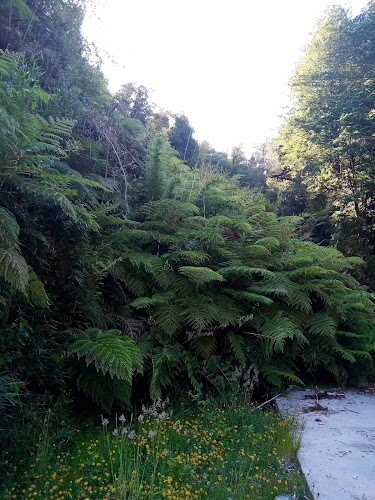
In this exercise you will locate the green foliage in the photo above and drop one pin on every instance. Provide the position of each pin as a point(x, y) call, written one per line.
point(111, 354)
point(168, 274)
point(159, 155)
point(326, 144)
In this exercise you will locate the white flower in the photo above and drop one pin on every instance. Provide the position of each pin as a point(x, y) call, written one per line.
point(131, 435)
point(115, 432)
point(141, 417)
point(105, 422)
point(124, 431)
point(122, 419)
point(151, 434)
point(165, 453)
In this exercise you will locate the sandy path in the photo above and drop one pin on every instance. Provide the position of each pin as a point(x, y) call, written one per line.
point(338, 445)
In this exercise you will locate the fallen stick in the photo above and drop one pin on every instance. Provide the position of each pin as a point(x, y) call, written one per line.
point(260, 406)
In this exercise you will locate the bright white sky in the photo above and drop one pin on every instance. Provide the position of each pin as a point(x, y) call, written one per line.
point(224, 63)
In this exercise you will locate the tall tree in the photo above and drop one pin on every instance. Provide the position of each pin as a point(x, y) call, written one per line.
point(182, 140)
point(328, 142)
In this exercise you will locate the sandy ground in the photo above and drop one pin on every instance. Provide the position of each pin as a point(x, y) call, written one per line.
point(338, 445)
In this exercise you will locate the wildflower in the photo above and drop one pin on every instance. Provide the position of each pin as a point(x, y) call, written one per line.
point(124, 431)
point(131, 435)
point(162, 416)
point(105, 421)
point(122, 418)
point(151, 434)
point(141, 417)
point(115, 432)
point(165, 453)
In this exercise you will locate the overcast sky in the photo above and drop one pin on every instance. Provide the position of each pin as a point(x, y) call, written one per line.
point(225, 64)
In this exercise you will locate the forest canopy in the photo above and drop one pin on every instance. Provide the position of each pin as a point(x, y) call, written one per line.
point(136, 261)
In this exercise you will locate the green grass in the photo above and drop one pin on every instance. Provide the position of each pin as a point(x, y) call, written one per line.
point(216, 451)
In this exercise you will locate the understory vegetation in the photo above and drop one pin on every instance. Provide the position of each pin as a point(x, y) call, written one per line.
point(215, 451)
point(137, 263)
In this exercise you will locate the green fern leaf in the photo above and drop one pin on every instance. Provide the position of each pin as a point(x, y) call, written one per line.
point(167, 317)
point(13, 268)
point(194, 257)
point(166, 365)
point(204, 345)
point(236, 341)
point(35, 291)
point(274, 376)
point(200, 314)
point(9, 229)
point(249, 296)
point(141, 302)
point(321, 324)
point(102, 389)
point(244, 271)
point(109, 352)
point(269, 242)
point(200, 275)
point(190, 363)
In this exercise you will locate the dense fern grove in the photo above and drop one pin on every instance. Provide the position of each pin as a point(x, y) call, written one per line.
point(132, 266)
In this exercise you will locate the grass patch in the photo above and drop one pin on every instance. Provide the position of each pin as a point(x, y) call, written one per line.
point(215, 451)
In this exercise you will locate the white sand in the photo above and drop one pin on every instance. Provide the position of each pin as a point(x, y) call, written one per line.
point(338, 452)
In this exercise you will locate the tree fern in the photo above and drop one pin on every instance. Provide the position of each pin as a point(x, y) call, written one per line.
point(109, 352)
point(166, 365)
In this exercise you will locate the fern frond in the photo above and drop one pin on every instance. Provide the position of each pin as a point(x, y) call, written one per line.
point(102, 389)
point(204, 345)
point(200, 313)
point(191, 363)
point(35, 291)
point(249, 296)
point(256, 251)
point(244, 271)
point(275, 376)
point(311, 272)
point(350, 354)
point(321, 324)
point(192, 256)
point(13, 268)
point(9, 229)
point(166, 365)
point(108, 352)
point(167, 317)
point(269, 242)
point(148, 301)
point(200, 275)
point(236, 341)
point(275, 331)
